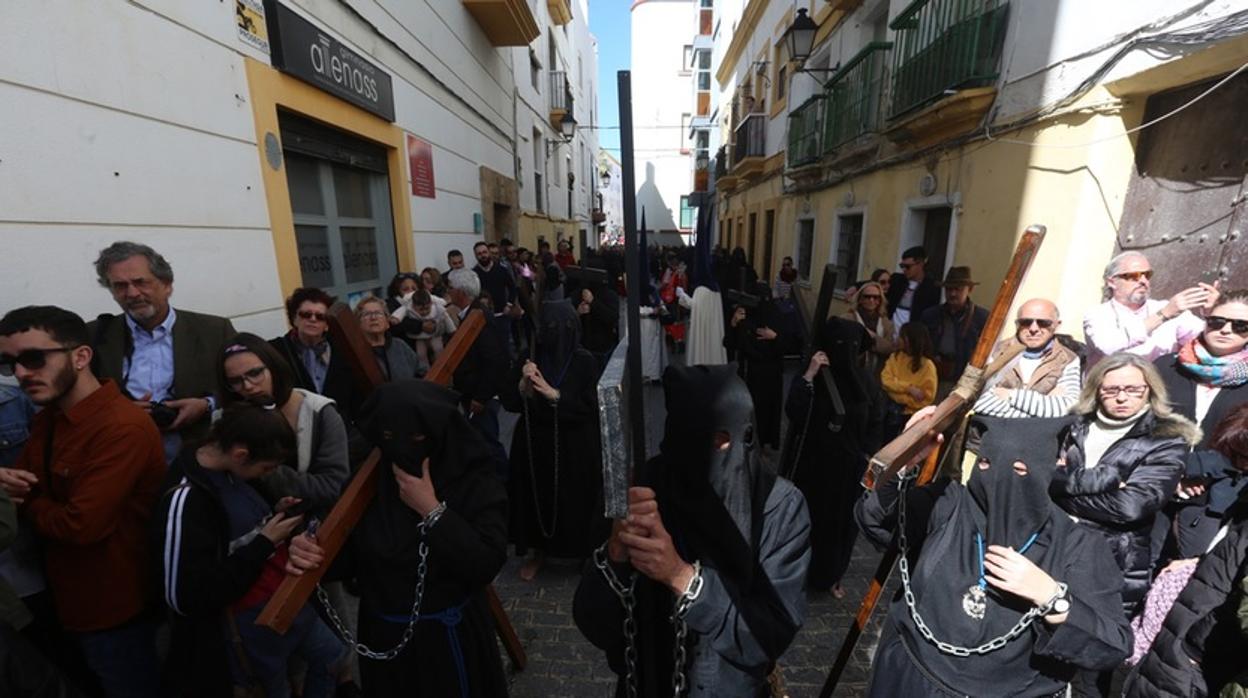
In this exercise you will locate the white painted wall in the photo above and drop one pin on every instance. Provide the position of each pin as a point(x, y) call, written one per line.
point(612, 193)
point(130, 120)
point(661, 94)
point(577, 55)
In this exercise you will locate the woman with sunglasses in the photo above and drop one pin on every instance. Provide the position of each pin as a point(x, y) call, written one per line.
point(1206, 381)
point(871, 311)
point(316, 367)
point(1118, 464)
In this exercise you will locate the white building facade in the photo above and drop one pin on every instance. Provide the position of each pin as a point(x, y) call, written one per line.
point(263, 146)
point(662, 82)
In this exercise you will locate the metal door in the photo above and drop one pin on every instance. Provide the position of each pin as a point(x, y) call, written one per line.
point(1185, 202)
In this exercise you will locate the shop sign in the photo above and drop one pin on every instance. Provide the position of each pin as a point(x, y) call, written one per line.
point(420, 159)
point(304, 51)
point(252, 29)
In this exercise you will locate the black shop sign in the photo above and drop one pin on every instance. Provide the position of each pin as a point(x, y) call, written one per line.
point(299, 48)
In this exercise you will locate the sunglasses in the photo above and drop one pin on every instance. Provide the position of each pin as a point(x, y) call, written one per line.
point(1025, 322)
point(870, 296)
point(1215, 323)
point(30, 359)
point(1134, 275)
point(250, 376)
point(312, 315)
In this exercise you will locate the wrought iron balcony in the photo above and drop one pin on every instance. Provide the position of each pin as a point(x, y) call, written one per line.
point(855, 96)
point(560, 93)
point(805, 125)
point(721, 161)
point(942, 45)
point(750, 146)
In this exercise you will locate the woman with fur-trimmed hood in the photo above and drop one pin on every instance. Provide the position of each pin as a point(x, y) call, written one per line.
point(1120, 462)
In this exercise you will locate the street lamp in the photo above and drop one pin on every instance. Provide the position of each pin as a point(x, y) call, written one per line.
point(800, 37)
point(567, 127)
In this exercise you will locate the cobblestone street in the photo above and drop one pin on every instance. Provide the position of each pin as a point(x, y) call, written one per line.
point(563, 663)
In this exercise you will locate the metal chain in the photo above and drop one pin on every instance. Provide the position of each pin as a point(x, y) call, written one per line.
point(528, 440)
point(629, 601)
point(681, 609)
point(348, 637)
point(948, 648)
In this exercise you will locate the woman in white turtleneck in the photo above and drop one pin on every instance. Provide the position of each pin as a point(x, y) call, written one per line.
point(1119, 463)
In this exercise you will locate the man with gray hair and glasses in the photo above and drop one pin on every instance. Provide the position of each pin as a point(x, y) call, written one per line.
point(164, 359)
point(1130, 321)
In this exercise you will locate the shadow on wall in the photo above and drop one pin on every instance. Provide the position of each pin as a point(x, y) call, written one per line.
point(650, 200)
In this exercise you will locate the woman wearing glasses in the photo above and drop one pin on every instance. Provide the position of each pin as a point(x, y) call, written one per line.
point(395, 358)
point(252, 371)
point(1119, 463)
point(1121, 459)
point(871, 311)
point(1206, 382)
point(316, 366)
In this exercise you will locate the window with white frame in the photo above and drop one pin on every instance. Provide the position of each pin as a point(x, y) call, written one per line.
point(805, 246)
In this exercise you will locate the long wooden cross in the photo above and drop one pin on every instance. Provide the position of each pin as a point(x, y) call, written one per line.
point(948, 415)
point(345, 334)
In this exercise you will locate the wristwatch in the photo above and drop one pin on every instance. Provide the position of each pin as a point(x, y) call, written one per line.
point(1059, 604)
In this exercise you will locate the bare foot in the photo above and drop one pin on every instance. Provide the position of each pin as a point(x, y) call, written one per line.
point(838, 591)
point(529, 569)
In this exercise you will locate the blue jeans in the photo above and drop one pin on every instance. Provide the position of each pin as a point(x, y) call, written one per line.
point(124, 659)
point(268, 652)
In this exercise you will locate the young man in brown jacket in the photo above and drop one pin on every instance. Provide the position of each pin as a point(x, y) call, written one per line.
point(87, 481)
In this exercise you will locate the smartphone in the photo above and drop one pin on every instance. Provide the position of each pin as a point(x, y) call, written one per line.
point(299, 509)
point(1209, 277)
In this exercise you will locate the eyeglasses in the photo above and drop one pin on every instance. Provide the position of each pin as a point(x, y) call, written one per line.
point(1116, 390)
point(1135, 275)
point(870, 296)
point(1025, 322)
point(1216, 322)
point(30, 359)
point(372, 314)
point(251, 376)
point(312, 315)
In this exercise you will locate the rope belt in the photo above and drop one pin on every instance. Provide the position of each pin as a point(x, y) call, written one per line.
point(451, 617)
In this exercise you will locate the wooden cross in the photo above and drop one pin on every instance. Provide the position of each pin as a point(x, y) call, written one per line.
point(345, 334)
point(903, 449)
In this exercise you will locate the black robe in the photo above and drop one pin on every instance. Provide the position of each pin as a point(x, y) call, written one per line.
point(942, 519)
point(466, 549)
point(760, 363)
point(825, 456)
point(574, 505)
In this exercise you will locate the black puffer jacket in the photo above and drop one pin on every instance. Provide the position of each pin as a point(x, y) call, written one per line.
point(1121, 495)
point(1199, 647)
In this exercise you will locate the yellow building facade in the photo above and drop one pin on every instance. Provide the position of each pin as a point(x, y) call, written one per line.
point(859, 204)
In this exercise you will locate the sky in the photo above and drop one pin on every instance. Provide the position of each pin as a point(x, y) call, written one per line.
point(610, 21)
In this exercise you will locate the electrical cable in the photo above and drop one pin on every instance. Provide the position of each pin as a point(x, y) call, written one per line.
point(1141, 127)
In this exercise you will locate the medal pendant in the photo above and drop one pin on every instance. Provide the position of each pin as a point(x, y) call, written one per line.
point(975, 602)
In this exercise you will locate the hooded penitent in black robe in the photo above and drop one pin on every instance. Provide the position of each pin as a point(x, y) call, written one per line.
point(747, 527)
point(760, 362)
point(825, 456)
point(453, 652)
point(942, 520)
point(567, 479)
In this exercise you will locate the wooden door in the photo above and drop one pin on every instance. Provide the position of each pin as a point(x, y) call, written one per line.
point(1185, 203)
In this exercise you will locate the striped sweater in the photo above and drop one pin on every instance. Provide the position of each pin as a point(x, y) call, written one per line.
point(1029, 403)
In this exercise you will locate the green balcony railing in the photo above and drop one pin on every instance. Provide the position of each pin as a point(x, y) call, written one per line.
point(942, 45)
point(805, 124)
point(855, 95)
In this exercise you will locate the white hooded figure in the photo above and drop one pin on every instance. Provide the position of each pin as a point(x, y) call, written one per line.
point(704, 342)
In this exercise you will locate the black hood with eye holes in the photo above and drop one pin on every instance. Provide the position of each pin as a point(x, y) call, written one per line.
point(1014, 506)
point(711, 500)
point(558, 337)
